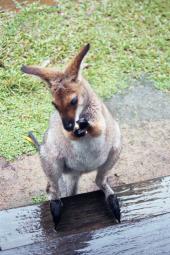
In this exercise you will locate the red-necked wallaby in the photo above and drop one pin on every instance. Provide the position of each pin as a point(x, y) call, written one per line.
point(82, 135)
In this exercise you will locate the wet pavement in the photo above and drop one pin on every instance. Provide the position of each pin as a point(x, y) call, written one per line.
point(144, 116)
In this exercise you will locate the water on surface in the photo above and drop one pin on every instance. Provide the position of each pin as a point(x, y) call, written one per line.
point(10, 5)
point(145, 237)
point(33, 224)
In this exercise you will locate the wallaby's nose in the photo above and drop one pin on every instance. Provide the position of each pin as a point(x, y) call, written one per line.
point(68, 124)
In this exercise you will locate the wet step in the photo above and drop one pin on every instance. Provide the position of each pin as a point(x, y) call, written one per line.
point(87, 226)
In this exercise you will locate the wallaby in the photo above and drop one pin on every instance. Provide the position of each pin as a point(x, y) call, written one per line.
point(82, 135)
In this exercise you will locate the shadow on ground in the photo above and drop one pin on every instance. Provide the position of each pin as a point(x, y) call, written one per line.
point(144, 116)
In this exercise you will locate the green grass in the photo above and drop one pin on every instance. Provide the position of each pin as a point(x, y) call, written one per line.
point(128, 38)
point(39, 199)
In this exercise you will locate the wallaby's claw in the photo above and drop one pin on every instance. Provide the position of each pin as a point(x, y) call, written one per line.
point(113, 203)
point(55, 208)
point(80, 132)
point(83, 123)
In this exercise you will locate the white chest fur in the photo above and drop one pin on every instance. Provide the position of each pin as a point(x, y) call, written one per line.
point(88, 153)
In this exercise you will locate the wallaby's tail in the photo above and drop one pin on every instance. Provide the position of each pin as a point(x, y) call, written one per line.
point(34, 140)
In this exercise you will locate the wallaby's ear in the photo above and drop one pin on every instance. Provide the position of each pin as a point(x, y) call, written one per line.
point(73, 68)
point(47, 74)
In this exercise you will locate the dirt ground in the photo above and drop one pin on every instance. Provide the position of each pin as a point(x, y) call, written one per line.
point(144, 116)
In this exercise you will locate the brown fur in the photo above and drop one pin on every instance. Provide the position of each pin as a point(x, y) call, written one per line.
point(73, 68)
point(64, 85)
point(62, 98)
point(95, 130)
point(47, 74)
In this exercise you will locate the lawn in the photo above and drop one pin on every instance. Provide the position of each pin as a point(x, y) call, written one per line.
point(128, 38)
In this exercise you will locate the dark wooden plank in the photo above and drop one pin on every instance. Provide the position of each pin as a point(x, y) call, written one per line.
point(83, 213)
point(145, 237)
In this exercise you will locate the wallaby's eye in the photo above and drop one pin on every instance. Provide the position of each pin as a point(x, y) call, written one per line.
point(74, 101)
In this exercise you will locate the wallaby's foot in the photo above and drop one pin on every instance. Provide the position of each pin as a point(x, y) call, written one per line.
point(113, 203)
point(55, 208)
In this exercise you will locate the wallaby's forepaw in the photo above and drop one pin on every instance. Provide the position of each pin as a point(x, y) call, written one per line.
point(113, 203)
point(55, 208)
point(80, 132)
point(83, 123)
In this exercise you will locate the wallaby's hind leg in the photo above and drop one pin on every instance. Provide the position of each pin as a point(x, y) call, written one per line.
point(53, 169)
point(55, 202)
point(102, 183)
point(71, 181)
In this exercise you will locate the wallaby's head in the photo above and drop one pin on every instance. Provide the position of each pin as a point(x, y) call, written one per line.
point(66, 88)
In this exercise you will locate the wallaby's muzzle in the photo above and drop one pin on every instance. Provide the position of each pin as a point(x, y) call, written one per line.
point(68, 124)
